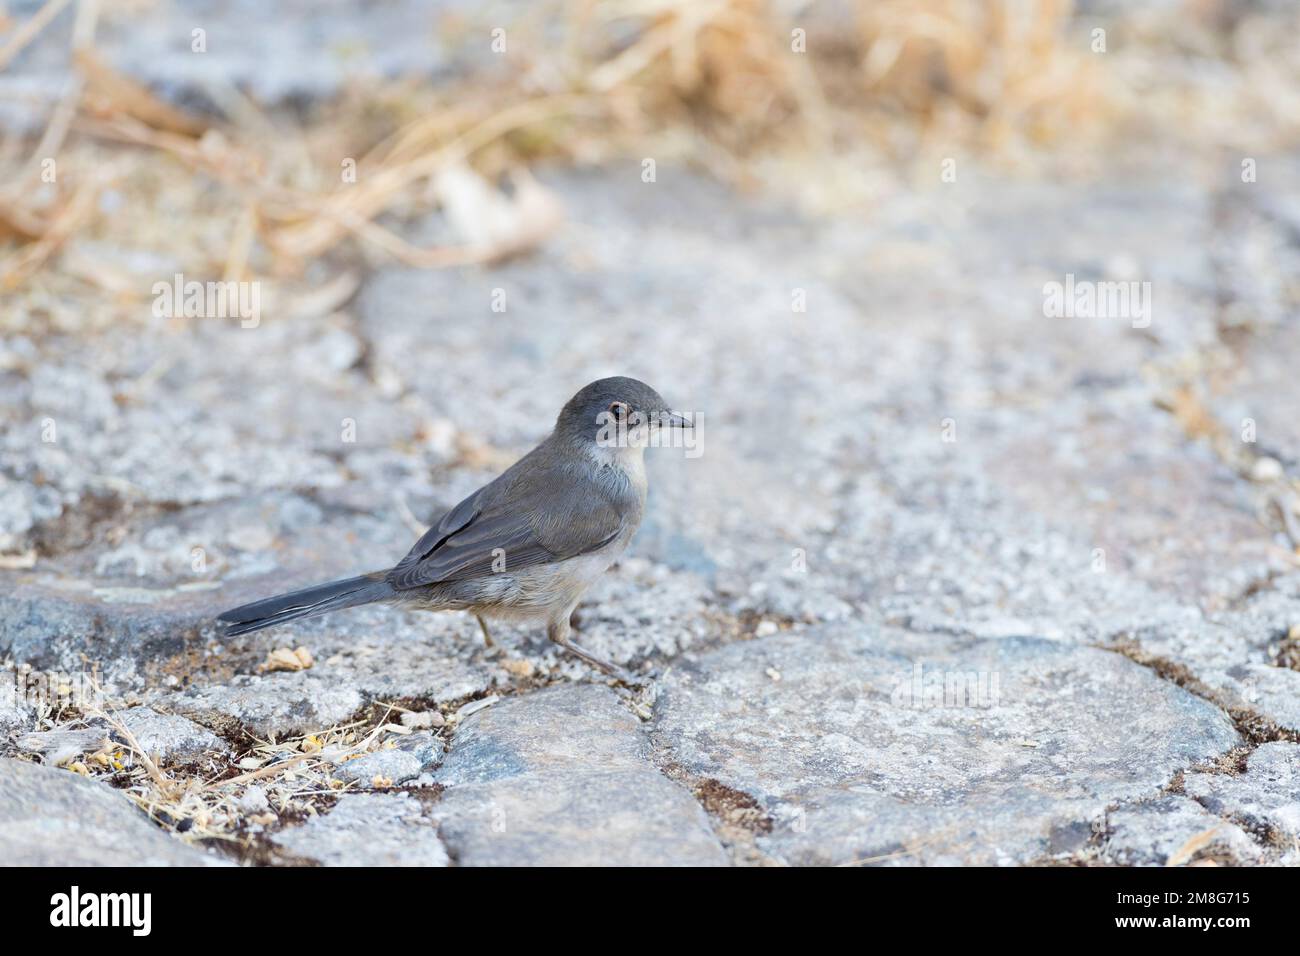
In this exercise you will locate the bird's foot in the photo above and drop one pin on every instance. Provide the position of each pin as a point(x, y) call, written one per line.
point(487, 635)
point(620, 674)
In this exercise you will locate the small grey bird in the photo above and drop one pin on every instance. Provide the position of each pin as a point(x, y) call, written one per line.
point(527, 544)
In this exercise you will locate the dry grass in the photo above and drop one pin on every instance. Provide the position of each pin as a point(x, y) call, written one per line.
point(145, 190)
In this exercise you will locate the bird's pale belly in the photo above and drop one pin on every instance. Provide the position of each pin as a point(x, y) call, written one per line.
point(531, 593)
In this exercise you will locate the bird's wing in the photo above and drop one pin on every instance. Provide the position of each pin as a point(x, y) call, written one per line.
point(522, 523)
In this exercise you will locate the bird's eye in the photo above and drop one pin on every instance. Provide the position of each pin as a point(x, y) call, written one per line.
point(618, 410)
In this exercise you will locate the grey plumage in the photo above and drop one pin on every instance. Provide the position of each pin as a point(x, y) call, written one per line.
point(528, 543)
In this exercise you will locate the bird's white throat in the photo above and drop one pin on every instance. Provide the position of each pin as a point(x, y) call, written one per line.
point(628, 458)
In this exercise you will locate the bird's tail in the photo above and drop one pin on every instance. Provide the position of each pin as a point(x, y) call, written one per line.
point(309, 602)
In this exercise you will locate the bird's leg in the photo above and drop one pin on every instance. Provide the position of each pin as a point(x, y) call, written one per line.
point(487, 635)
point(558, 631)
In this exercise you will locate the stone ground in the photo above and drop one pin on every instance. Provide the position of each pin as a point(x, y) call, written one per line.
point(950, 582)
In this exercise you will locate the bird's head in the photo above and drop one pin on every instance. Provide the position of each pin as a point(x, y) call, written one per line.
point(616, 412)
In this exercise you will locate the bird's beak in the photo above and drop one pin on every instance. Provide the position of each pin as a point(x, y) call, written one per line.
point(673, 420)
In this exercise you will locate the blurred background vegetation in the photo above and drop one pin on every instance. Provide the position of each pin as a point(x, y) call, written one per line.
point(827, 104)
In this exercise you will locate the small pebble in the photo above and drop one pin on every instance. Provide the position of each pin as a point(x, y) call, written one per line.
point(1266, 469)
point(284, 659)
point(519, 668)
point(425, 720)
point(253, 801)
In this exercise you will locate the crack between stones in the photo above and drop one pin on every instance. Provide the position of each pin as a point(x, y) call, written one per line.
point(1254, 728)
point(736, 818)
point(1232, 762)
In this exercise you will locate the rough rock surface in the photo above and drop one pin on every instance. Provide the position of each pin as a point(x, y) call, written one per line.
point(1174, 830)
point(560, 777)
point(868, 745)
point(52, 817)
point(271, 704)
point(57, 747)
point(1265, 799)
point(380, 769)
point(169, 737)
point(15, 712)
point(369, 830)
